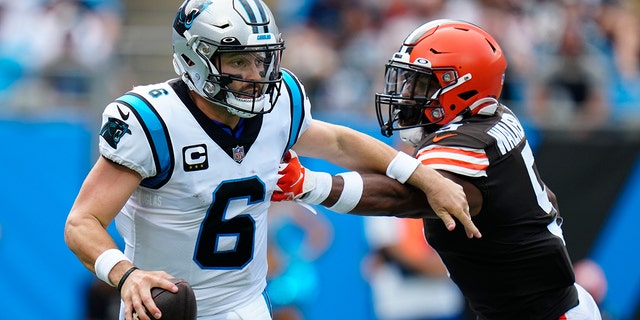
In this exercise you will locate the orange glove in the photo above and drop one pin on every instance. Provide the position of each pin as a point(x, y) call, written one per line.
point(296, 182)
point(291, 176)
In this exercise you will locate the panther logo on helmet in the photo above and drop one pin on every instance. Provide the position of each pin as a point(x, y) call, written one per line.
point(187, 13)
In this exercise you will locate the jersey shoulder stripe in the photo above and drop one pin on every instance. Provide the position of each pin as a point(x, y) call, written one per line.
point(464, 161)
point(158, 136)
point(474, 143)
point(297, 97)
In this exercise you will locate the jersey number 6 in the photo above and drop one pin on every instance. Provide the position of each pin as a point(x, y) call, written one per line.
point(239, 230)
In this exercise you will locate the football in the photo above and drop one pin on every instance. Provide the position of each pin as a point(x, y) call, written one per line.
point(176, 306)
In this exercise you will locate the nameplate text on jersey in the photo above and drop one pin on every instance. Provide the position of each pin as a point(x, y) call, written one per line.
point(508, 133)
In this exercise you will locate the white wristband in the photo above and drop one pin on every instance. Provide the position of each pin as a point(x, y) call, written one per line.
point(106, 261)
point(402, 167)
point(351, 192)
point(321, 189)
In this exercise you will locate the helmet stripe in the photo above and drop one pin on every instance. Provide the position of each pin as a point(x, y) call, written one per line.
point(253, 7)
point(264, 16)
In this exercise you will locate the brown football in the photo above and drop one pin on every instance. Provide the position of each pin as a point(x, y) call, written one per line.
point(176, 306)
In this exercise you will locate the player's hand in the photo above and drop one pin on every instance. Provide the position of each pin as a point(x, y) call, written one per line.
point(448, 200)
point(294, 180)
point(136, 293)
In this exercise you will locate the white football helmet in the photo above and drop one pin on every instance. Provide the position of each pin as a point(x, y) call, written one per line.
point(205, 29)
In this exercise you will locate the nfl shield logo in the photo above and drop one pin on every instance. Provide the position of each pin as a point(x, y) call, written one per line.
point(238, 153)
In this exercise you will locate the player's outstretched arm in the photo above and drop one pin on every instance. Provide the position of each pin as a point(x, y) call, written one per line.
point(355, 150)
point(375, 194)
point(383, 196)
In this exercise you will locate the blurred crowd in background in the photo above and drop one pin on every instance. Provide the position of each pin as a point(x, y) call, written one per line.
point(573, 64)
point(56, 53)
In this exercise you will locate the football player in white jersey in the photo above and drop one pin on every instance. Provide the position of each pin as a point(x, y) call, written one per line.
point(440, 93)
point(188, 167)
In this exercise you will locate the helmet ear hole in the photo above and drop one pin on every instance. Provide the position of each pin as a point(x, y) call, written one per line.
point(468, 94)
point(188, 61)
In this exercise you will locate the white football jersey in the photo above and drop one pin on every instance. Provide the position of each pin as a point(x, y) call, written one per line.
point(200, 212)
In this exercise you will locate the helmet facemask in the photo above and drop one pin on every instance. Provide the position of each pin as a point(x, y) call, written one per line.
point(228, 84)
point(410, 97)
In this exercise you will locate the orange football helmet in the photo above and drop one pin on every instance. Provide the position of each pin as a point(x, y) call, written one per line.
point(443, 71)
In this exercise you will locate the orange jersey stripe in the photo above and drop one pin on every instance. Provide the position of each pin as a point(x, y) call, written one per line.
point(467, 152)
point(458, 163)
point(465, 161)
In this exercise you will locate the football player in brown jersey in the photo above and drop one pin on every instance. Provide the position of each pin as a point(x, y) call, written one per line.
point(441, 94)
